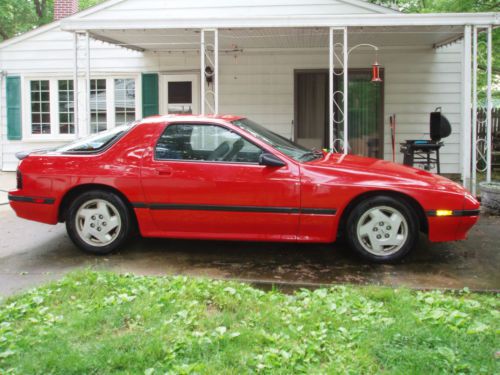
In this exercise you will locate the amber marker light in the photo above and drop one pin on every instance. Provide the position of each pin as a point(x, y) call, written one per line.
point(444, 213)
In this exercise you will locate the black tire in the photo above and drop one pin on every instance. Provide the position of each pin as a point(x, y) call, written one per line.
point(118, 211)
point(368, 210)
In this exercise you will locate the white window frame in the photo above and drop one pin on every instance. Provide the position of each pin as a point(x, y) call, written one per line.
point(54, 109)
point(165, 78)
point(53, 79)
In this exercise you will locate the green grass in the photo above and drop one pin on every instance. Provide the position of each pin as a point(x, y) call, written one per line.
point(99, 323)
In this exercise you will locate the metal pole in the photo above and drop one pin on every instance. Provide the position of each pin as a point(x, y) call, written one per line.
point(87, 92)
point(330, 91)
point(202, 71)
point(488, 107)
point(75, 84)
point(346, 93)
point(216, 70)
point(474, 109)
point(466, 111)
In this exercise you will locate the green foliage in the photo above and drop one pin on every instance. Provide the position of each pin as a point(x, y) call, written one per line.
point(105, 323)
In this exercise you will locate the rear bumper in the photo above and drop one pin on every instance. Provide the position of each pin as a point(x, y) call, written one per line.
point(42, 209)
point(451, 228)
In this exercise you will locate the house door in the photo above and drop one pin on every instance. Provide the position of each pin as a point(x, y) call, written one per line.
point(365, 111)
point(179, 94)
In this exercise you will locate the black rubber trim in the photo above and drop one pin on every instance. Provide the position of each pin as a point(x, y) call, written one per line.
point(204, 207)
point(318, 211)
point(18, 198)
point(457, 213)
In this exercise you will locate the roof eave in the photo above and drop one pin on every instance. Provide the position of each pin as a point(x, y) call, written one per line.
point(355, 20)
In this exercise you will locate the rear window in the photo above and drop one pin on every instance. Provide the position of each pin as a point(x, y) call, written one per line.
point(97, 142)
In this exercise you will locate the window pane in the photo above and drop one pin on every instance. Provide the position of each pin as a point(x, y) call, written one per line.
point(124, 101)
point(66, 107)
point(180, 92)
point(40, 107)
point(98, 113)
point(205, 143)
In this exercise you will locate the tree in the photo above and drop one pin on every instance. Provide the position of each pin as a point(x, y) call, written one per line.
point(18, 16)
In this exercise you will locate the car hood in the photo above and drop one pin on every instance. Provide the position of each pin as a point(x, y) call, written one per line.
point(381, 173)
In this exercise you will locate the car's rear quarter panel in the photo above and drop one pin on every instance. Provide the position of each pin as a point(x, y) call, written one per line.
point(55, 175)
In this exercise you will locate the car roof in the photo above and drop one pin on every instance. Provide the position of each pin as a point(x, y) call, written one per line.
point(191, 118)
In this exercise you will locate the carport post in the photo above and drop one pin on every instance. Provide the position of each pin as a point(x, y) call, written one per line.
point(202, 72)
point(488, 107)
point(75, 84)
point(87, 82)
point(345, 96)
point(466, 108)
point(474, 110)
point(330, 89)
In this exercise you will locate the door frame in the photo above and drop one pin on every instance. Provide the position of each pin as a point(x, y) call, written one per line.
point(165, 78)
point(296, 72)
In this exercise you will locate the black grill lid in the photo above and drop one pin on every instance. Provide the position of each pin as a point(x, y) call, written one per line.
point(440, 126)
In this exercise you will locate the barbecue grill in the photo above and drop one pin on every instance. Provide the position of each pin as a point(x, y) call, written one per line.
point(426, 151)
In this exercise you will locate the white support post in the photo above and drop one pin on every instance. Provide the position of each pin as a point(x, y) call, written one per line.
point(330, 90)
point(488, 106)
point(466, 108)
point(474, 111)
point(202, 72)
point(209, 59)
point(346, 92)
point(216, 71)
point(87, 84)
point(75, 84)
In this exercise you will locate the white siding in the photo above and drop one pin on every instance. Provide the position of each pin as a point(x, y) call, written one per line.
point(260, 84)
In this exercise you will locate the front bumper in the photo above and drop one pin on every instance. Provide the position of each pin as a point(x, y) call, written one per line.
point(42, 209)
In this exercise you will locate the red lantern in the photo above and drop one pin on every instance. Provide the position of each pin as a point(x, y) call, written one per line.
point(376, 72)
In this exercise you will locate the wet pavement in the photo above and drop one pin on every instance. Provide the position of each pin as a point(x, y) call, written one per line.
point(31, 253)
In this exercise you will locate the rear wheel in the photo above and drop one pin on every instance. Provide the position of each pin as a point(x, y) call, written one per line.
point(382, 229)
point(98, 222)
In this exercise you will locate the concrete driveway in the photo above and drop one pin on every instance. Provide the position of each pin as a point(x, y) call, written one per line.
point(31, 253)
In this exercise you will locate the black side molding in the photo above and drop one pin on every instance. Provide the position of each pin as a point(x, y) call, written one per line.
point(204, 207)
point(18, 198)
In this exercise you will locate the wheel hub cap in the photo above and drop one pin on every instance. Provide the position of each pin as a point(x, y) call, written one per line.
point(382, 230)
point(98, 222)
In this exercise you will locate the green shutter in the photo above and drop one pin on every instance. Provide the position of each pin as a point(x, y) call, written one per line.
point(150, 94)
point(14, 124)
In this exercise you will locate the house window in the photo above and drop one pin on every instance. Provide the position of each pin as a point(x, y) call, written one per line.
point(180, 97)
point(66, 107)
point(124, 101)
point(40, 106)
point(98, 113)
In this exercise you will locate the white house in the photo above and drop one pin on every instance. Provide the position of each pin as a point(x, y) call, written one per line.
point(279, 62)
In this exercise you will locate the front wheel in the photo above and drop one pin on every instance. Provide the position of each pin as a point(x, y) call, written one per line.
point(98, 222)
point(382, 229)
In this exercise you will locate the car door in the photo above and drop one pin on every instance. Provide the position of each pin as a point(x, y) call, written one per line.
point(205, 181)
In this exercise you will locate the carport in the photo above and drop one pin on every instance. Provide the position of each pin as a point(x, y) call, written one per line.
point(345, 41)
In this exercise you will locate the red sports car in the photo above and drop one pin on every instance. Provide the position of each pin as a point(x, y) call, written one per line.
point(226, 177)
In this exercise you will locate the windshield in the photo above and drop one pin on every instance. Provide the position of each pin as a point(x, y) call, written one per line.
point(280, 143)
point(97, 141)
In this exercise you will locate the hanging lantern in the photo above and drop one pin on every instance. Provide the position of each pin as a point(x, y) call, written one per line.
point(376, 72)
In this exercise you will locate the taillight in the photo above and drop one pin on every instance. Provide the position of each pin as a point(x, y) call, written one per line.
point(19, 180)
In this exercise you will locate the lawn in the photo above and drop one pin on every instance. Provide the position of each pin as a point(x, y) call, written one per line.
point(100, 323)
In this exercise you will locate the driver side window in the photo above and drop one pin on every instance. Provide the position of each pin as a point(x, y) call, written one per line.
point(205, 143)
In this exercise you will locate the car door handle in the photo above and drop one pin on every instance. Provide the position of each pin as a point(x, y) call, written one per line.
point(164, 172)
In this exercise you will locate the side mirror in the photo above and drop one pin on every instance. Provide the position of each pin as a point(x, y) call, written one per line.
point(270, 160)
